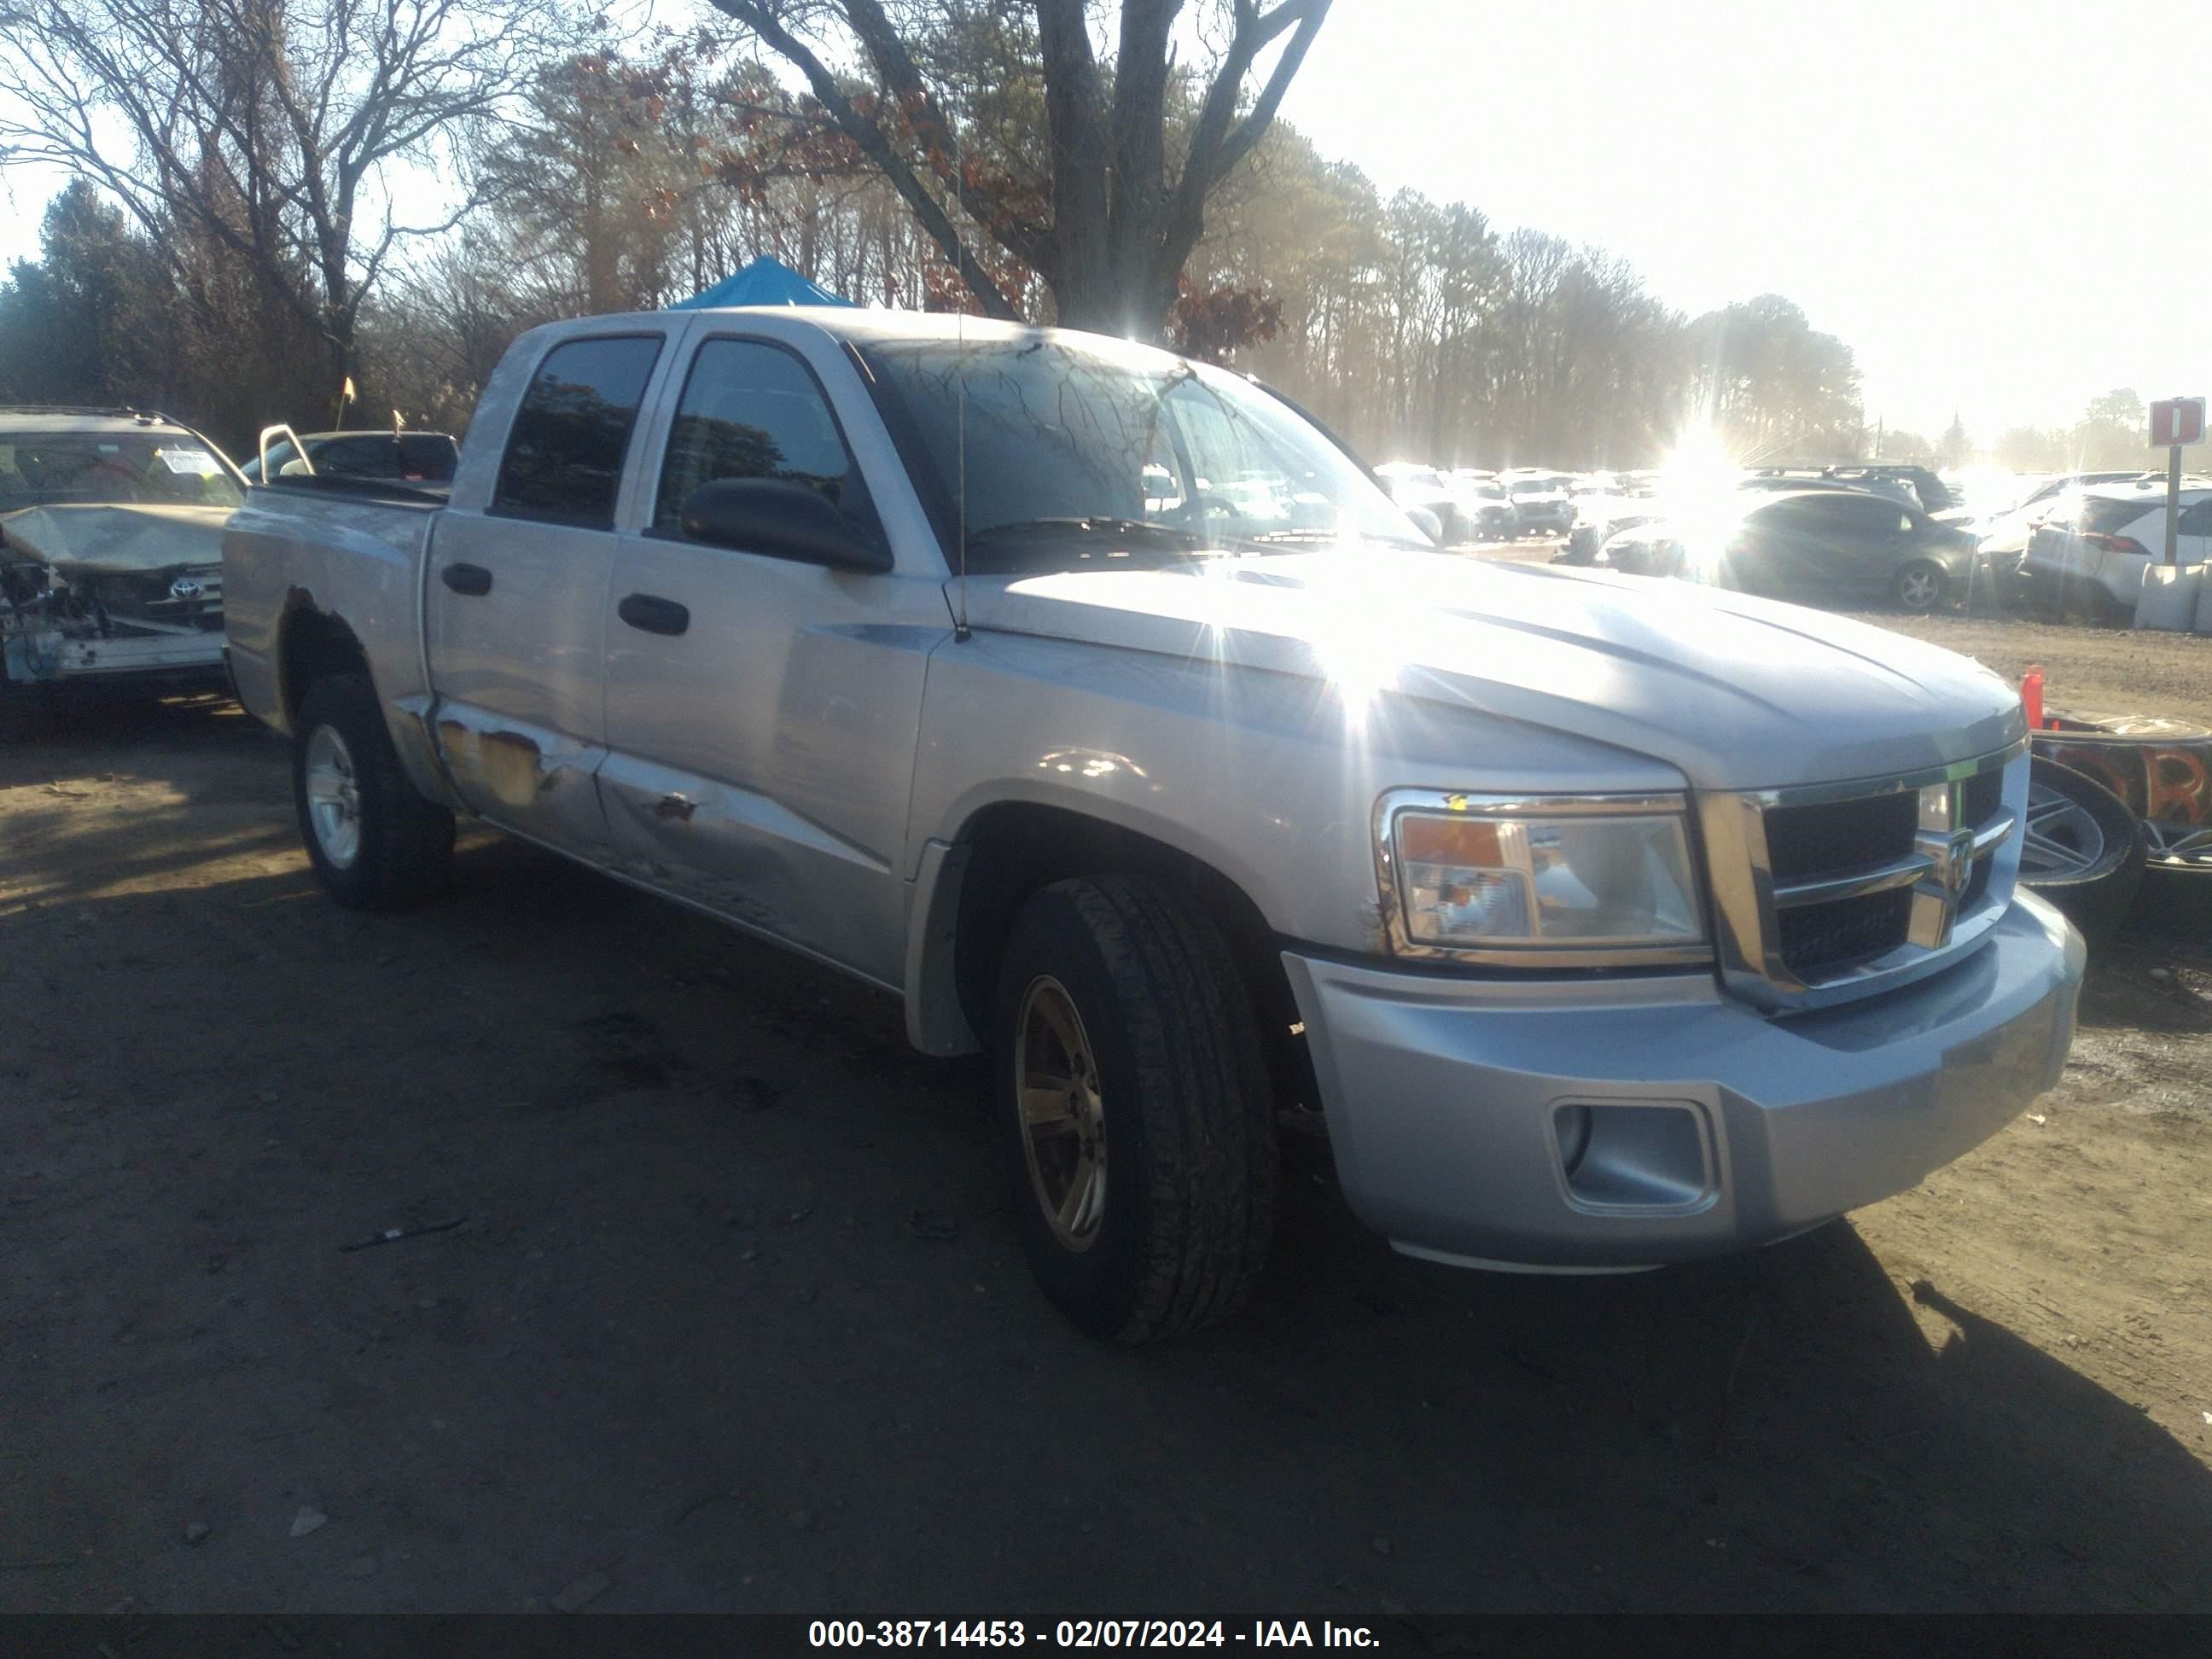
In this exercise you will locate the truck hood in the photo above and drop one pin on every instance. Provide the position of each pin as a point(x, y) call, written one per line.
point(90, 538)
point(1734, 692)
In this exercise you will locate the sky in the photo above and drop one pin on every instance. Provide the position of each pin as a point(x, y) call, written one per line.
point(1991, 203)
point(1988, 202)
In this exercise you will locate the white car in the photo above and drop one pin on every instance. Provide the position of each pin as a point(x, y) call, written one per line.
point(2096, 558)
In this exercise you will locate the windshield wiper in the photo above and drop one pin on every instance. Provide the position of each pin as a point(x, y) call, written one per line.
point(1094, 525)
point(1330, 537)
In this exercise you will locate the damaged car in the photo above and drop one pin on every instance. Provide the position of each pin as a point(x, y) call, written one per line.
point(111, 551)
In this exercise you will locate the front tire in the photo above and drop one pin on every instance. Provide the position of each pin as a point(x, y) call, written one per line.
point(1134, 1099)
point(375, 843)
point(1918, 587)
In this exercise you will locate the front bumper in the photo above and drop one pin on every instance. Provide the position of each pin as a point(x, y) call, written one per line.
point(1719, 1128)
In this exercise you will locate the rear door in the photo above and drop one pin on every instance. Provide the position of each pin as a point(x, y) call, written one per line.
point(515, 600)
point(762, 713)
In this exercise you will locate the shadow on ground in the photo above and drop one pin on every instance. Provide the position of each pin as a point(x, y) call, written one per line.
point(697, 1330)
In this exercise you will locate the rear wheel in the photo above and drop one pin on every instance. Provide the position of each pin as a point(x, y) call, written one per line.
point(1918, 586)
point(1134, 1101)
point(375, 843)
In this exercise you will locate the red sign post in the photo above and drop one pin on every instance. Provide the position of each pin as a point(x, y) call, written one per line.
point(2175, 423)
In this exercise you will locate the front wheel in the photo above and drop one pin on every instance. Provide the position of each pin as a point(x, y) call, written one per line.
point(375, 843)
point(1134, 1101)
point(1918, 586)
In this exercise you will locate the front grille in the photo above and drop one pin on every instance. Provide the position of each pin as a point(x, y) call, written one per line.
point(1855, 885)
point(1818, 940)
point(1825, 836)
point(1981, 795)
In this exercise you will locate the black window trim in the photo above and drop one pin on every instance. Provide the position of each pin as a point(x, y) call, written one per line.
point(868, 522)
point(568, 521)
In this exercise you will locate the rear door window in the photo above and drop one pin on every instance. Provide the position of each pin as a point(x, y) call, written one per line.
point(565, 457)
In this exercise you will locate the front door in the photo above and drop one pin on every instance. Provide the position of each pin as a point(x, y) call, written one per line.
point(516, 602)
point(761, 713)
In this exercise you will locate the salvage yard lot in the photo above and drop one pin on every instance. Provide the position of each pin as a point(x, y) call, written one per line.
point(734, 1317)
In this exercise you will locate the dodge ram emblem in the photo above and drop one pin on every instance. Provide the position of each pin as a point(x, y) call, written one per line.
point(186, 588)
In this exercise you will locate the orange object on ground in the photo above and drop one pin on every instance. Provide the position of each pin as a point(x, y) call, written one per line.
point(2030, 695)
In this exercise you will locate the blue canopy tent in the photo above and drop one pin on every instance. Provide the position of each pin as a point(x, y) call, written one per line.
point(763, 282)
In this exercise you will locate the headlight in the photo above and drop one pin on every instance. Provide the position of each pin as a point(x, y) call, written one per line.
point(1548, 879)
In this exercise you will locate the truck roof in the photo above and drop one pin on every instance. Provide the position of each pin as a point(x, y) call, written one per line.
point(68, 417)
point(865, 324)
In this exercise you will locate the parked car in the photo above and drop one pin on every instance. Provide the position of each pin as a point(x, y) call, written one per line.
point(1842, 548)
point(1780, 479)
point(1596, 945)
point(1544, 505)
point(415, 458)
point(1425, 489)
point(1929, 492)
point(1655, 547)
point(2094, 558)
point(1486, 506)
point(111, 551)
point(1598, 519)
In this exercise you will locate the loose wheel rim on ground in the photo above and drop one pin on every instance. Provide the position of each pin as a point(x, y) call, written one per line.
point(333, 797)
point(2178, 845)
point(2063, 837)
point(1062, 1117)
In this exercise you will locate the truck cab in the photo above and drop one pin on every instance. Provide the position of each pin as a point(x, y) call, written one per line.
point(1599, 927)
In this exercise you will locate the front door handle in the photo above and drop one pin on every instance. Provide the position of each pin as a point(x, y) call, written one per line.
point(653, 615)
point(472, 579)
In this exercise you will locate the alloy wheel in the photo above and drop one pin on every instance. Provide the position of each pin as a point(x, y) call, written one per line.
point(1063, 1122)
point(333, 797)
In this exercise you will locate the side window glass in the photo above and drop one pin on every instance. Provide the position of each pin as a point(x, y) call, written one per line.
point(2196, 520)
point(430, 459)
point(565, 457)
point(361, 458)
point(750, 410)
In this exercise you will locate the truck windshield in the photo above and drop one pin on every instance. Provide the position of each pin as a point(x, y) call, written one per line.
point(111, 468)
point(108, 469)
point(1069, 447)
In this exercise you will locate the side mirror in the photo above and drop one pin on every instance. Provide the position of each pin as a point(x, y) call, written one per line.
point(1432, 526)
point(778, 520)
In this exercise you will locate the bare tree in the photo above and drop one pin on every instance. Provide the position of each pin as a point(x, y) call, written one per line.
point(279, 132)
point(1108, 209)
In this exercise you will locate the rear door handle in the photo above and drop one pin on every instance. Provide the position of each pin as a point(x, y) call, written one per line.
point(472, 579)
point(653, 615)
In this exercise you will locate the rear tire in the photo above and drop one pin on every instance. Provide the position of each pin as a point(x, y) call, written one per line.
point(1126, 1046)
point(375, 843)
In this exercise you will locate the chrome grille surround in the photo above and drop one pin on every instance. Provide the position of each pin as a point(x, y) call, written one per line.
point(1949, 911)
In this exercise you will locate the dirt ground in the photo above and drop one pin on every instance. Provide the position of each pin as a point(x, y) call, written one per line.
point(697, 1332)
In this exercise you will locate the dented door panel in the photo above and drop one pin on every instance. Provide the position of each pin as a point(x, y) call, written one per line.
point(519, 673)
point(535, 779)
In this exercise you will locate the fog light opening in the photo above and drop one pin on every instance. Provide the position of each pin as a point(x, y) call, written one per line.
point(1645, 1157)
point(1572, 1125)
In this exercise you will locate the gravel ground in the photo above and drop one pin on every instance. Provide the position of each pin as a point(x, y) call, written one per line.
point(698, 1340)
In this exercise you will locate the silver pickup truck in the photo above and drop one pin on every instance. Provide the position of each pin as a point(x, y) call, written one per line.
point(1101, 706)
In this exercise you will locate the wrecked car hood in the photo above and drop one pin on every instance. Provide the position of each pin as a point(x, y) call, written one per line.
point(97, 538)
point(1735, 692)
